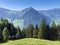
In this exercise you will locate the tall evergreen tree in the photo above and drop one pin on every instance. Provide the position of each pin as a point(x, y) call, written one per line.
point(1, 36)
point(23, 33)
point(58, 29)
point(18, 33)
point(35, 31)
point(29, 31)
point(53, 31)
point(47, 32)
point(12, 31)
point(42, 28)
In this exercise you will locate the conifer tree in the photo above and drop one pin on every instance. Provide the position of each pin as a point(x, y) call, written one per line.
point(35, 31)
point(23, 33)
point(29, 31)
point(18, 33)
point(42, 28)
point(58, 28)
point(54, 31)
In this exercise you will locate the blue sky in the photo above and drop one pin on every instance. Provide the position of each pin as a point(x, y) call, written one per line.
point(37, 4)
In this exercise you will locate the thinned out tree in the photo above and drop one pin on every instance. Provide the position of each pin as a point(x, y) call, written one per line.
point(5, 34)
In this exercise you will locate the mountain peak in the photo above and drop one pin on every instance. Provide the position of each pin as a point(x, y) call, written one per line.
point(30, 8)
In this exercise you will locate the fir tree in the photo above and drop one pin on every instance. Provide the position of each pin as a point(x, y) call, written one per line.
point(42, 28)
point(18, 33)
point(35, 31)
point(29, 31)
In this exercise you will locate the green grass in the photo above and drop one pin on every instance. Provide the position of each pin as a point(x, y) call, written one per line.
point(31, 41)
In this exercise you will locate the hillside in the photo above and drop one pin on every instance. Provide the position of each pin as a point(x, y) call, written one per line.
point(31, 41)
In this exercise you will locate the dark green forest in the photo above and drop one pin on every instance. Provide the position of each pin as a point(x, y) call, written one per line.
point(42, 31)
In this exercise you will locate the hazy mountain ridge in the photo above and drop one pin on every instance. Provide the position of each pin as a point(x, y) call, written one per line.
point(31, 16)
point(24, 17)
point(54, 14)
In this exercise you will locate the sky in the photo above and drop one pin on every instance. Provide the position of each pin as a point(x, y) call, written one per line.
point(37, 4)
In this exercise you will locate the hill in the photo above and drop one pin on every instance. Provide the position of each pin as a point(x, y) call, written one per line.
point(31, 41)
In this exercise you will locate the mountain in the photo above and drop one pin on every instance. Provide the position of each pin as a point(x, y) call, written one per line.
point(54, 14)
point(8, 14)
point(31, 16)
point(23, 18)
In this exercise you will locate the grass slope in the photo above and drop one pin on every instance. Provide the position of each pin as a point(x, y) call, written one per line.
point(31, 41)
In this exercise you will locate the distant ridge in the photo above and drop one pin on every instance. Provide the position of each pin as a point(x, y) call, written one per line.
point(25, 17)
point(54, 14)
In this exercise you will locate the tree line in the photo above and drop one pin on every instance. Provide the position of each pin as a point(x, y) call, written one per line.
point(42, 31)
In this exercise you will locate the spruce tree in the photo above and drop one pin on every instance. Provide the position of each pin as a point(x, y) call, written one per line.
point(54, 31)
point(35, 31)
point(1, 36)
point(58, 28)
point(47, 32)
point(18, 33)
point(42, 28)
point(29, 31)
point(23, 33)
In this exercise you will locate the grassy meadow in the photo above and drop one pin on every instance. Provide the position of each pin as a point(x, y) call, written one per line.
point(31, 41)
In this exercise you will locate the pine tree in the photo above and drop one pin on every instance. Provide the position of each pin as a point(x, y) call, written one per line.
point(54, 31)
point(29, 31)
point(1, 36)
point(35, 31)
point(18, 33)
point(58, 28)
point(42, 28)
point(5, 33)
point(47, 32)
point(23, 33)
point(12, 31)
